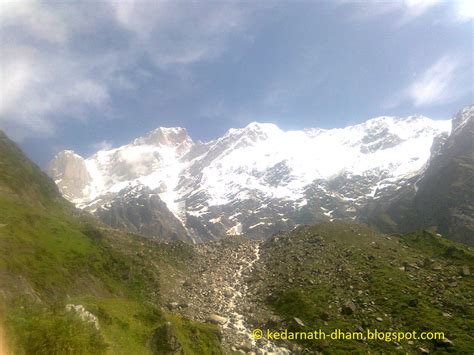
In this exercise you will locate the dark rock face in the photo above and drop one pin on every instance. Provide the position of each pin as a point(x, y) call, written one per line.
point(446, 192)
point(69, 172)
point(379, 139)
point(443, 197)
point(164, 341)
point(141, 211)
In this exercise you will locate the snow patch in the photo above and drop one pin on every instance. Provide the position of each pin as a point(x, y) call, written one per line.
point(256, 225)
point(235, 230)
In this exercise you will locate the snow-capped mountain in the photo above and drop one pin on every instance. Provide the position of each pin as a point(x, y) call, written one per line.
point(442, 196)
point(258, 179)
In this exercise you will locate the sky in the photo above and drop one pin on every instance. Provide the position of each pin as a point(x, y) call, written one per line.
point(89, 75)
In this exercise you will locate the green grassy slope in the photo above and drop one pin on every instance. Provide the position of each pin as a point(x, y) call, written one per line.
point(345, 276)
point(52, 255)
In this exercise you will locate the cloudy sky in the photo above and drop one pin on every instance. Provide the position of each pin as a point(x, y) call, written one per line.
point(86, 75)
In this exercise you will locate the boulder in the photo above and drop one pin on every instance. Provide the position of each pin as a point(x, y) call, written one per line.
point(165, 341)
point(325, 316)
point(246, 347)
point(216, 319)
point(299, 322)
point(173, 305)
point(348, 308)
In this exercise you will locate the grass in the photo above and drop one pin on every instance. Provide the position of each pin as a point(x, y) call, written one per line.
point(56, 259)
point(193, 337)
point(35, 329)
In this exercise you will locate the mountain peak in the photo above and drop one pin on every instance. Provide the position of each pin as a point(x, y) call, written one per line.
point(68, 153)
point(394, 120)
point(254, 131)
point(167, 136)
point(69, 172)
point(260, 126)
point(169, 130)
point(463, 117)
point(404, 127)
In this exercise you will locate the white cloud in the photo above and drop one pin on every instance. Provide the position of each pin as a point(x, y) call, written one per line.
point(180, 32)
point(369, 9)
point(38, 21)
point(415, 8)
point(64, 60)
point(407, 10)
point(436, 85)
point(465, 10)
point(444, 81)
point(102, 145)
point(36, 86)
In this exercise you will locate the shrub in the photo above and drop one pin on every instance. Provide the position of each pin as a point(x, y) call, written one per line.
point(34, 329)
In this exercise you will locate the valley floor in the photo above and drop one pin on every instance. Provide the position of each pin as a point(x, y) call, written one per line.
point(331, 276)
point(217, 290)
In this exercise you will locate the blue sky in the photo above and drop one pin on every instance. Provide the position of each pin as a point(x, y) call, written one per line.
point(87, 75)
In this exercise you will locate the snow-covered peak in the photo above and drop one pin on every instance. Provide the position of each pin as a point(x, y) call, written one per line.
point(389, 146)
point(153, 160)
point(247, 136)
point(261, 127)
point(166, 136)
point(68, 154)
point(253, 130)
point(402, 127)
point(261, 162)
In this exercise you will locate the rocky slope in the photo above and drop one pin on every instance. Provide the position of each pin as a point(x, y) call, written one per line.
point(255, 180)
point(217, 288)
point(442, 197)
point(337, 275)
point(139, 210)
point(343, 275)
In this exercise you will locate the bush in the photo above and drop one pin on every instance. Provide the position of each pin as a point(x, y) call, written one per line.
point(34, 329)
point(92, 231)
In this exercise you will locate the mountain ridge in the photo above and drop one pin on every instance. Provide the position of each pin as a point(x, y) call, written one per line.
point(442, 197)
point(307, 176)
